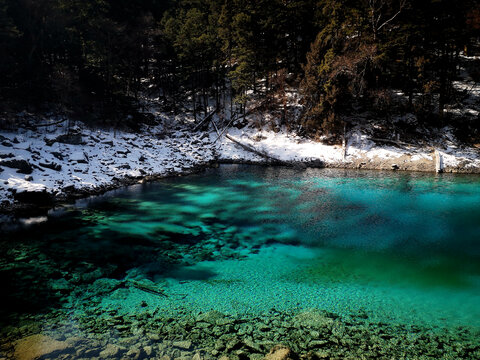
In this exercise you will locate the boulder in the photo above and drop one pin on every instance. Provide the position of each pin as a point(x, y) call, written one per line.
point(23, 166)
point(52, 166)
point(281, 352)
point(72, 139)
point(38, 346)
point(58, 155)
point(79, 157)
point(39, 197)
point(110, 351)
point(6, 155)
point(182, 345)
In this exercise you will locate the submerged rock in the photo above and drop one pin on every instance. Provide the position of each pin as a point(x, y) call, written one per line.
point(183, 345)
point(281, 352)
point(313, 319)
point(210, 317)
point(37, 346)
point(110, 351)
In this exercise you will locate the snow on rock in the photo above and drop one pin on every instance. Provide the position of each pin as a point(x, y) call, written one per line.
point(78, 156)
point(102, 159)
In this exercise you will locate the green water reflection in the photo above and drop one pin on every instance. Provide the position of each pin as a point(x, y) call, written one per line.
point(400, 246)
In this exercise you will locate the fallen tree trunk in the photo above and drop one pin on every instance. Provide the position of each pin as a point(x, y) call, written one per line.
point(44, 125)
point(393, 142)
point(255, 151)
point(208, 117)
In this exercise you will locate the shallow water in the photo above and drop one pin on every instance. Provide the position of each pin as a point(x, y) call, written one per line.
point(393, 248)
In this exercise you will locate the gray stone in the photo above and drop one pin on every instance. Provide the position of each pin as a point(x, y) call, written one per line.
point(219, 345)
point(225, 321)
point(5, 156)
point(39, 346)
point(23, 166)
point(72, 139)
point(90, 277)
point(111, 350)
point(52, 166)
point(148, 350)
point(197, 356)
point(133, 353)
point(249, 343)
point(233, 344)
point(60, 285)
point(58, 155)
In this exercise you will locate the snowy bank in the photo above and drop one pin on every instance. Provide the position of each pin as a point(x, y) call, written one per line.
point(44, 167)
point(36, 166)
point(359, 152)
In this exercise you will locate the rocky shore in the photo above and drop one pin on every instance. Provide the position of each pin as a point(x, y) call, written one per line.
point(41, 169)
point(212, 335)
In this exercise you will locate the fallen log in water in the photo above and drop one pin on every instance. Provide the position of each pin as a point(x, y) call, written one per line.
point(146, 287)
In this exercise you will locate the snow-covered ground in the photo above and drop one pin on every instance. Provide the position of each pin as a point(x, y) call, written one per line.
point(93, 159)
point(360, 152)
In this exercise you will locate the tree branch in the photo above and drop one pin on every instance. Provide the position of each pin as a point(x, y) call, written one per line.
point(402, 5)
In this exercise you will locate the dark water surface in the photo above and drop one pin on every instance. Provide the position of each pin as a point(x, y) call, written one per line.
point(398, 250)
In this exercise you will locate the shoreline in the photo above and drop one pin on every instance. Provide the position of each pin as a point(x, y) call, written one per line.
point(19, 209)
point(124, 159)
point(305, 334)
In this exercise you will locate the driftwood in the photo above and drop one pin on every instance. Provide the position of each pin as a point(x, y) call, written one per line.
point(255, 151)
point(145, 287)
point(125, 284)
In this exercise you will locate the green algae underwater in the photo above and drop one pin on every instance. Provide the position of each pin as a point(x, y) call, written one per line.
point(398, 249)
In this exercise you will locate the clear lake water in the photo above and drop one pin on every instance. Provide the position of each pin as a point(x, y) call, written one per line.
point(401, 249)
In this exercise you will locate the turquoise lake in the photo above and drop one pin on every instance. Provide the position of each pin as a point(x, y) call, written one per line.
point(393, 248)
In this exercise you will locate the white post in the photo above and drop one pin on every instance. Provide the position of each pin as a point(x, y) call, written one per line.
point(438, 161)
